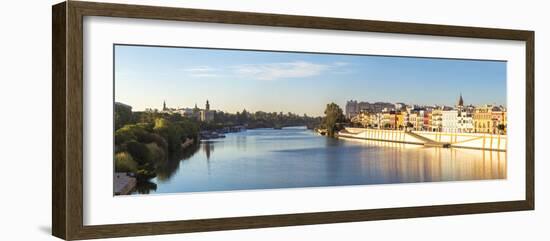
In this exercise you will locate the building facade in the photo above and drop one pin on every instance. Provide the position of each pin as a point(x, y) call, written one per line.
point(465, 122)
point(449, 121)
point(436, 123)
point(207, 115)
point(400, 116)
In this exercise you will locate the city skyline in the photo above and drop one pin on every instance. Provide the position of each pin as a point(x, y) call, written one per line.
point(302, 83)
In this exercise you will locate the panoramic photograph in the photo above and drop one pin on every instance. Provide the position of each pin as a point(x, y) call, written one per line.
point(204, 120)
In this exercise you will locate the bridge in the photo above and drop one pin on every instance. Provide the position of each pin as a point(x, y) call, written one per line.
point(431, 139)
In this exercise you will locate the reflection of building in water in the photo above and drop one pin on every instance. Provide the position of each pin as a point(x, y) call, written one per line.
point(208, 148)
point(404, 163)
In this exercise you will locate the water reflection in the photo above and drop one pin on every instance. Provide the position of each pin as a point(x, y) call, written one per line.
point(296, 157)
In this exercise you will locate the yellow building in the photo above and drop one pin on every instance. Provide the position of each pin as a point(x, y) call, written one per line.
point(499, 120)
point(363, 118)
point(483, 120)
point(417, 121)
point(490, 119)
point(400, 120)
point(436, 120)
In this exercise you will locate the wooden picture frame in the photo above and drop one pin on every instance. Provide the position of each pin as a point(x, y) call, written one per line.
point(67, 124)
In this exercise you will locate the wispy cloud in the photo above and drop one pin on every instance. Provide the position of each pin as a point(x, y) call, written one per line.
point(272, 71)
point(201, 71)
point(341, 63)
point(269, 71)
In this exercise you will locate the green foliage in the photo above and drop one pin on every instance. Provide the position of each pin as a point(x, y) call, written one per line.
point(170, 132)
point(125, 163)
point(157, 154)
point(123, 115)
point(259, 119)
point(334, 117)
point(157, 139)
point(145, 174)
point(139, 152)
point(189, 129)
point(123, 136)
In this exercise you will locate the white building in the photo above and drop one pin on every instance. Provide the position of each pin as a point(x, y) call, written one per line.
point(207, 115)
point(186, 112)
point(449, 121)
point(465, 122)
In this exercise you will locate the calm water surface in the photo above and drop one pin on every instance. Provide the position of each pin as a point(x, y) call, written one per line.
point(297, 157)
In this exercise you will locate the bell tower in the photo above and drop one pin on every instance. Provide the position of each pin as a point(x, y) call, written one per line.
point(460, 101)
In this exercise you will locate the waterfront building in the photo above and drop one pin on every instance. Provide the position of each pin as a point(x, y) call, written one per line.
point(351, 109)
point(405, 119)
point(166, 109)
point(411, 120)
point(449, 121)
point(420, 120)
point(188, 112)
point(436, 120)
point(499, 121)
point(490, 119)
point(460, 103)
point(389, 120)
point(363, 119)
point(464, 117)
point(376, 120)
point(458, 119)
point(207, 115)
point(427, 119)
point(482, 119)
point(465, 122)
point(400, 120)
point(400, 106)
point(417, 120)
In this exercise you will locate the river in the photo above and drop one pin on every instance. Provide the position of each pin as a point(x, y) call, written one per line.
point(297, 157)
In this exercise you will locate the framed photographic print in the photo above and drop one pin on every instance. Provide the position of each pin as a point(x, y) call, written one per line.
point(171, 120)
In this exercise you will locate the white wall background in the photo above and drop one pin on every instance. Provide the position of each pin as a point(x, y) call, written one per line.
point(25, 101)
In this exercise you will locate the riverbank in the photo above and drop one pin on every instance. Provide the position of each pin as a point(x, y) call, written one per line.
point(124, 183)
point(481, 141)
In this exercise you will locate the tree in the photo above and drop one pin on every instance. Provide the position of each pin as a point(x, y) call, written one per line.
point(139, 152)
point(170, 132)
point(334, 117)
point(501, 128)
point(125, 163)
point(123, 115)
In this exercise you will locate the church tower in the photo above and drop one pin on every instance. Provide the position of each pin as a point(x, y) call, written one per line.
point(207, 106)
point(164, 105)
point(460, 101)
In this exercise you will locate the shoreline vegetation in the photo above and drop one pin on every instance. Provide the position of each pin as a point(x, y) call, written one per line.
point(149, 142)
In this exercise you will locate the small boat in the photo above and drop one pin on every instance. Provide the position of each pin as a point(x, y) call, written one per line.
point(205, 135)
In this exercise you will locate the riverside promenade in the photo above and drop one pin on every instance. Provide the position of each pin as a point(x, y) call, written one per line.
point(123, 183)
point(482, 141)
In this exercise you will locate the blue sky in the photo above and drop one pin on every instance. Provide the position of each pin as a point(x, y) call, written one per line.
point(234, 80)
